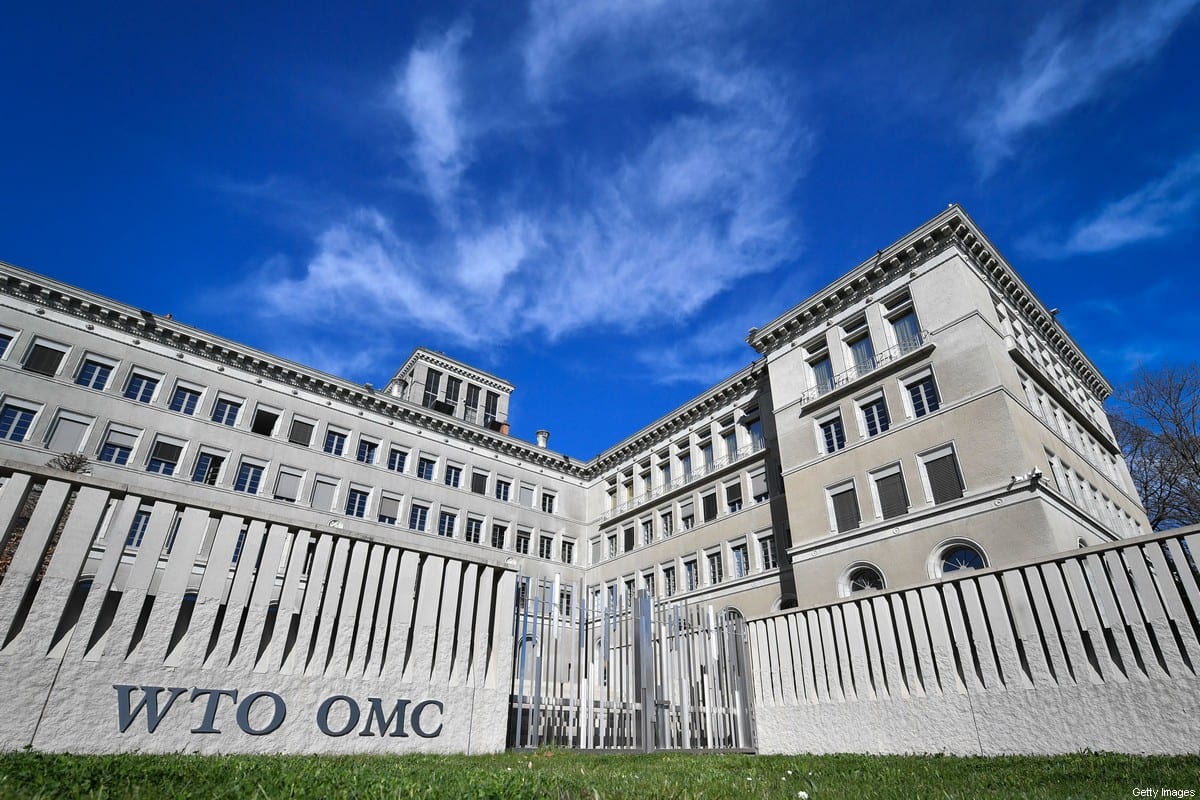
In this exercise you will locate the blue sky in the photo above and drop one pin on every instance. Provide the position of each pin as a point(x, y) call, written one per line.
point(594, 200)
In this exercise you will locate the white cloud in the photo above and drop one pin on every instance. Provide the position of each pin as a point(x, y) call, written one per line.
point(625, 236)
point(1060, 71)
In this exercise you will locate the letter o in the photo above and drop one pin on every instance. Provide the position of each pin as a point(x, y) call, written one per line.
point(243, 714)
point(323, 715)
point(416, 719)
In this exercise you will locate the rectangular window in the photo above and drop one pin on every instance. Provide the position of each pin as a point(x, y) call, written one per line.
point(647, 531)
point(185, 400)
point(453, 475)
point(706, 455)
point(425, 468)
point(691, 575)
point(648, 582)
point(433, 381)
point(397, 458)
point(137, 530)
point(715, 568)
point(612, 545)
point(301, 432)
point(862, 355)
point(945, 482)
point(731, 446)
point(499, 532)
point(833, 434)
point(548, 502)
point(875, 416)
point(5, 340)
point(564, 600)
point(248, 478)
point(668, 574)
point(754, 426)
point(490, 405)
point(740, 556)
point(93, 374)
point(567, 551)
point(845, 508)
point(287, 485)
point(366, 451)
point(766, 550)
point(117, 447)
point(208, 468)
point(356, 502)
point(240, 543)
point(709, 504)
point(447, 521)
point(479, 482)
point(164, 457)
point(758, 486)
point(685, 465)
point(733, 497)
point(502, 490)
point(523, 542)
point(15, 422)
point(323, 493)
point(822, 374)
point(225, 411)
point(389, 510)
point(907, 331)
point(687, 516)
point(264, 421)
point(526, 495)
point(924, 396)
point(335, 442)
point(545, 547)
point(471, 405)
point(453, 390)
point(44, 359)
point(68, 433)
point(664, 473)
point(417, 517)
point(141, 387)
point(474, 531)
point(893, 499)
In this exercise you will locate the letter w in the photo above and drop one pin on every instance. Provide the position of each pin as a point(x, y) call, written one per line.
point(125, 717)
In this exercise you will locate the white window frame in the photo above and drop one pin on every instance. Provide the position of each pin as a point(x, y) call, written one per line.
point(70, 416)
point(222, 471)
point(836, 489)
point(934, 562)
point(819, 434)
point(192, 387)
point(138, 371)
point(87, 356)
point(49, 344)
point(169, 440)
point(932, 454)
point(12, 334)
point(906, 396)
point(240, 402)
point(860, 411)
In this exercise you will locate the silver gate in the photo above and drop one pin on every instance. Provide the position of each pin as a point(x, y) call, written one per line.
point(626, 673)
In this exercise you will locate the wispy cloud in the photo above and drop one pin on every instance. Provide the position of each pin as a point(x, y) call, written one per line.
point(588, 232)
point(1156, 210)
point(1062, 69)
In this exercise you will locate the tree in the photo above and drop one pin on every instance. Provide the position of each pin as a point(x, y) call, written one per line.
point(1156, 418)
point(69, 462)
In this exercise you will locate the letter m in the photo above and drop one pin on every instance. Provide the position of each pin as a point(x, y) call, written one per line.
point(149, 701)
point(375, 717)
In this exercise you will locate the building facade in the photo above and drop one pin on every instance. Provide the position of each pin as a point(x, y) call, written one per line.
point(923, 414)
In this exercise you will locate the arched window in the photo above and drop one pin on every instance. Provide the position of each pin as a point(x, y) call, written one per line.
point(864, 578)
point(959, 556)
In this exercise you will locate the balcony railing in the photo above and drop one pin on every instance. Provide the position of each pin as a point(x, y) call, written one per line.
point(864, 368)
point(695, 474)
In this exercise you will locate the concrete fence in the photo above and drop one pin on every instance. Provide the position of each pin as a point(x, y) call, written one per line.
point(1095, 649)
point(132, 622)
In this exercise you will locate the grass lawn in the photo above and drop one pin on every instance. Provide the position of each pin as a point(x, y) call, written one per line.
point(563, 774)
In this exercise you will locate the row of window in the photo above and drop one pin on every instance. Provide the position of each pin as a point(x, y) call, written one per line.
point(940, 479)
point(946, 559)
point(857, 347)
point(728, 561)
point(1059, 420)
point(1086, 496)
point(920, 398)
point(661, 523)
point(447, 400)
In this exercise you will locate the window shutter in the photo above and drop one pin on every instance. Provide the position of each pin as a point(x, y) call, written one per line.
point(687, 509)
point(323, 495)
point(121, 438)
point(628, 540)
point(758, 484)
point(733, 493)
point(845, 510)
point(389, 507)
point(43, 360)
point(479, 482)
point(710, 506)
point(287, 486)
point(892, 499)
point(165, 451)
point(527, 496)
point(943, 478)
point(67, 436)
point(301, 433)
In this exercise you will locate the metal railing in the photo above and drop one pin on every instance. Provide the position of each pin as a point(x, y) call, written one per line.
point(866, 367)
point(691, 476)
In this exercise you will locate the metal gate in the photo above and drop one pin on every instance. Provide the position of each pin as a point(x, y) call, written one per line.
point(626, 673)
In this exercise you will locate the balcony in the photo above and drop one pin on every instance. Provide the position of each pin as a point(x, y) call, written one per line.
point(880, 360)
point(690, 477)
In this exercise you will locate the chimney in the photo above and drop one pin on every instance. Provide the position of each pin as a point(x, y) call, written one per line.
point(543, 436)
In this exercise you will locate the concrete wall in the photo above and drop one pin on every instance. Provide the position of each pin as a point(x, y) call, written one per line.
point(1095, 649)
point(205, 630)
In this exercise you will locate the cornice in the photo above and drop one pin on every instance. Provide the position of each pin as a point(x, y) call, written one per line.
point(185, 340)
point(448, 364)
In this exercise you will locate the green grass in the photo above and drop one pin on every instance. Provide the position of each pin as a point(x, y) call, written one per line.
point(561, 774)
